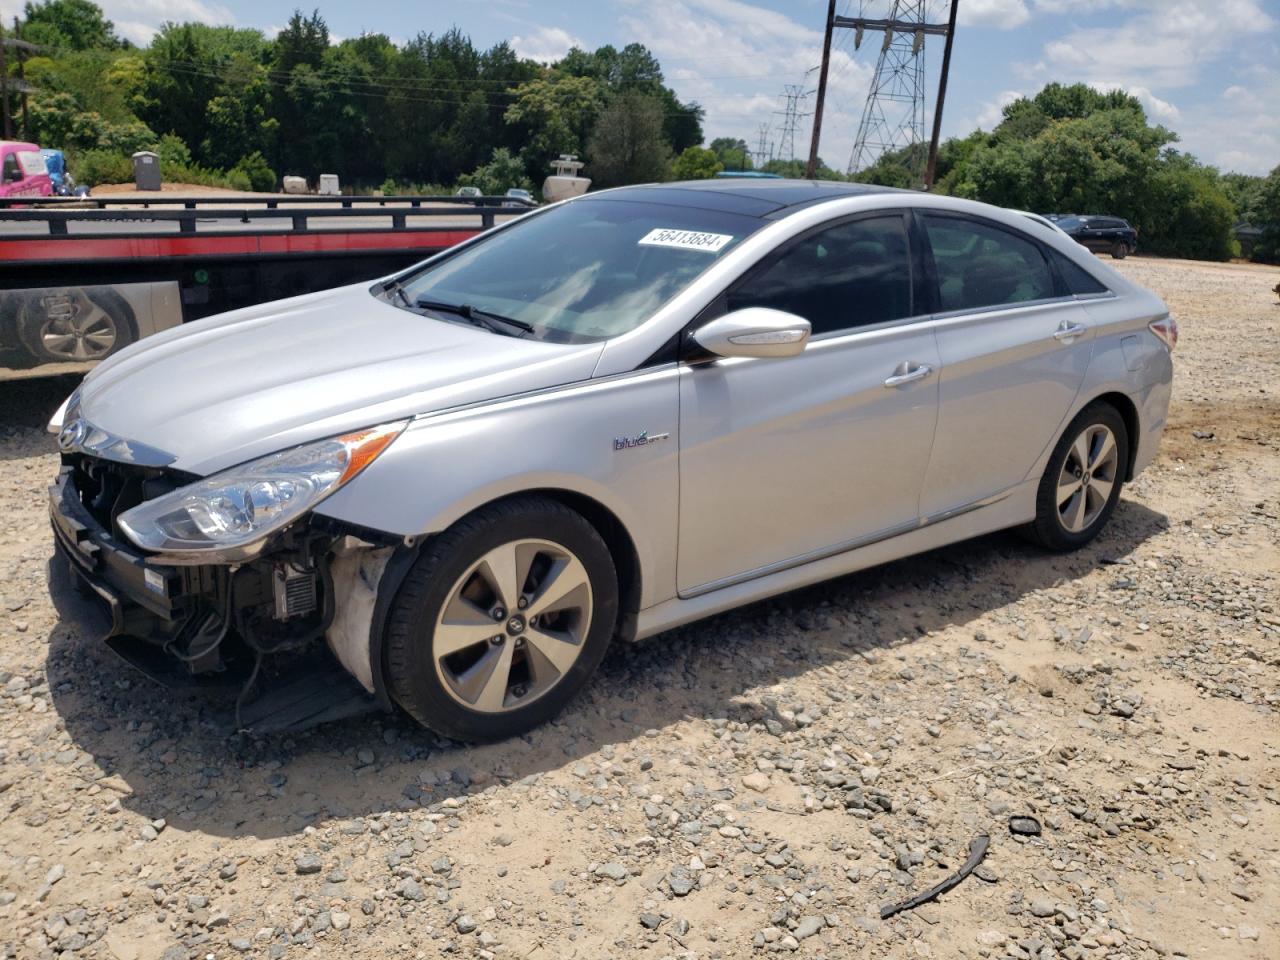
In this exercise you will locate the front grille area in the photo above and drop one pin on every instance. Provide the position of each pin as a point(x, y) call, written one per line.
point(108, 488)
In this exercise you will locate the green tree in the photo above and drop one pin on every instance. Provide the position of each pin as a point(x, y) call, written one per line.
point(627, 145)
point(257, 171)
point(555, 116)
point(74, 24)
point(1267, 208)
point(696, 163)
point(503, 172)
point(733, 153)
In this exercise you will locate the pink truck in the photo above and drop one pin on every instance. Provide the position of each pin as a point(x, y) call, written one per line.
point(22, 171)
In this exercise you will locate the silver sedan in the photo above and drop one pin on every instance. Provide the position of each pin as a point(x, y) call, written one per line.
point(609, 417)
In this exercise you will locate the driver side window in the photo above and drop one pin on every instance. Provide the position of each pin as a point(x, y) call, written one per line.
point(11, 172)
point(839, 278)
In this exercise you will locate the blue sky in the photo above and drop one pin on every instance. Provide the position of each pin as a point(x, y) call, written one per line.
point(1208, 69)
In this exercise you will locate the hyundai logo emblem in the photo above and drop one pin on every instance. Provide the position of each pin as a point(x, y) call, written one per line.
point(71, 435)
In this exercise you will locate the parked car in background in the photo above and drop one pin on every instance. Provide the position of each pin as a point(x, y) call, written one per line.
point(468, 192)
point(1101, 234)
point(606, 418)
point(22, 171)
point(518, 198)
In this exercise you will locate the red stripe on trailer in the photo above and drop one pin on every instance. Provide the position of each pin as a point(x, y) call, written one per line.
point(128, 248)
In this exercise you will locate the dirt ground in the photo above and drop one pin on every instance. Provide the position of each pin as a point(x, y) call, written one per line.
point(761, 782)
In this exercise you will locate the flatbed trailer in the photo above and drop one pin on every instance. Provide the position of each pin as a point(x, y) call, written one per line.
point(82, 277)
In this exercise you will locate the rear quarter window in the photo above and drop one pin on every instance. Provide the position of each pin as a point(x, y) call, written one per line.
point(1078, 280)
point(981, 265)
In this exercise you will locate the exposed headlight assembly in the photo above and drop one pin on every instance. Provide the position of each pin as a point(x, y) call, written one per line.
point(228, 515)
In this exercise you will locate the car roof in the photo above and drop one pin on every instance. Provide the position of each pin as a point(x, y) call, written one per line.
point(754, 198)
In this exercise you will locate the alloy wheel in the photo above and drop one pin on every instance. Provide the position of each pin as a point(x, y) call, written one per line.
point(1088, 476)
point(76, 328)
point(513, 625)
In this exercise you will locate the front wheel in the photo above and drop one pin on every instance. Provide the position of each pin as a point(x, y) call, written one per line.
point(1082, 481)
point(501, 620)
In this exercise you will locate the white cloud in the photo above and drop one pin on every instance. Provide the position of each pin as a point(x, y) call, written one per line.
point(992, 112)
point(1165, 43)
point(1005, 14)
point(1240, 128)
point(138, 20)
point(734, 58)
point(546, 44)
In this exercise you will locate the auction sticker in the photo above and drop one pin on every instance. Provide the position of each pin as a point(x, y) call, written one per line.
point(685, 239)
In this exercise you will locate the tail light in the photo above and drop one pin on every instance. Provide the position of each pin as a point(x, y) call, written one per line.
point(1166, 328)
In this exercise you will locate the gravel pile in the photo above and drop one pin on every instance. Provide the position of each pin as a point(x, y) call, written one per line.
point(762, 783)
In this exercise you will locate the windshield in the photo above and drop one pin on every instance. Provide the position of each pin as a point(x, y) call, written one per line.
point(586, 270)
point(1070, 223)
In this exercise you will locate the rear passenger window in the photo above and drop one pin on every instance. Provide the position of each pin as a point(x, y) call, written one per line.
point(1078, 280)
point(851, 275)
point(982, 266)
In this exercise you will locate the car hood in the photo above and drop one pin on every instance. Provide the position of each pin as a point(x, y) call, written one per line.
point(223, 390)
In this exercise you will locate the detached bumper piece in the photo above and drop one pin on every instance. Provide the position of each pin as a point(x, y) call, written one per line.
point(209, 628)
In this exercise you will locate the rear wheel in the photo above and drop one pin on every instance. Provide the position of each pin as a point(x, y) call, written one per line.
point(502, 620)
point(1082, 481)
point(1119, 250)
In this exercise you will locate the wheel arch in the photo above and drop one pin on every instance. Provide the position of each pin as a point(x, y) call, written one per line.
point(612, 530)
point(1128, 411)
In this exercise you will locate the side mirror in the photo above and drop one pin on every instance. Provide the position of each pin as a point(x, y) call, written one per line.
point(754, 332)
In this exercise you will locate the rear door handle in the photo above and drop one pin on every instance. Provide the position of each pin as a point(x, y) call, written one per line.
point(1069, 331)
point(907, 372)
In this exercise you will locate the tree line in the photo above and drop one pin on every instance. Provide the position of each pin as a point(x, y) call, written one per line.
point(230, 106)
point(423, 114)
point(1074, 149)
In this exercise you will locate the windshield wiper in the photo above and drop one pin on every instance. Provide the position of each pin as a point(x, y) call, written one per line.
point(481, 318)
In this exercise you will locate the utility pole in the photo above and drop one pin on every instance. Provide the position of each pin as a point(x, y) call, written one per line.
point(812, 167)
point(22, 78)
point(932, 165)
point(893, 117)
point(4, 86)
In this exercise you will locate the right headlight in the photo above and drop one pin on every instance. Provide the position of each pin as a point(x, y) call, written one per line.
point(231, 512)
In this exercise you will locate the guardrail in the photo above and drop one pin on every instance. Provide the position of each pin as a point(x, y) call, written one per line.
point(189, 219)
point(271, 201)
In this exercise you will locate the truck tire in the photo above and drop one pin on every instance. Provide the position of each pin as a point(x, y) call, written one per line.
point(1119, 250)
point(75, 324)
point(501, 620)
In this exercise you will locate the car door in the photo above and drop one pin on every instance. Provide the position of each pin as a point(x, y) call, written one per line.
point(1014, 346)
point(786, 460)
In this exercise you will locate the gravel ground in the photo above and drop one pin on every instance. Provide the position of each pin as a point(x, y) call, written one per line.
point(759, 783)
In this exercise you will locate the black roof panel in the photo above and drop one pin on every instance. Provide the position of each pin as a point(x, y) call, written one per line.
point(756, 198)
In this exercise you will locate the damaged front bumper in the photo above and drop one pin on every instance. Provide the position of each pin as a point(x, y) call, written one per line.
point(212, 625)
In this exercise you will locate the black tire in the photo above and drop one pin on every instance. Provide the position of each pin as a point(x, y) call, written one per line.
point(33, 318)
point(1049, 529)
point(1119, 250)
point(410, 666)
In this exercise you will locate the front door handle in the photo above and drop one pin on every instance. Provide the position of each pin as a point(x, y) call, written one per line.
point(1069, 331)
point(907, 372)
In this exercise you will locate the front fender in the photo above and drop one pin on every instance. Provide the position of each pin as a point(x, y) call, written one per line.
point(445, 466)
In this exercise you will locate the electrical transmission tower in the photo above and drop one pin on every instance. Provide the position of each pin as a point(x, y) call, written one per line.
point(893, 116)
point(764, 148)
point(794, 95)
